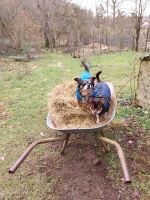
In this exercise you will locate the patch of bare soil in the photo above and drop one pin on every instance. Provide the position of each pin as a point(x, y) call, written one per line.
point(59, 64)
point(3, 112)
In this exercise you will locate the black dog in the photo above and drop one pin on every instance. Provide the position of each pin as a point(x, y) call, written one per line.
point(85, 86)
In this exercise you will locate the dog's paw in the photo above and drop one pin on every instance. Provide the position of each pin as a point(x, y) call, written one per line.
point(97, 119)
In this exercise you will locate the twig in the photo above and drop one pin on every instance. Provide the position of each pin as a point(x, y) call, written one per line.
point(101, 193)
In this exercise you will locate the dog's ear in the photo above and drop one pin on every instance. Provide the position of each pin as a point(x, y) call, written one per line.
point(93, 78)
point(77, 79)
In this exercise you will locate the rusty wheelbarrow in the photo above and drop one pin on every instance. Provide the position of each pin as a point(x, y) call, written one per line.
point(66, 135)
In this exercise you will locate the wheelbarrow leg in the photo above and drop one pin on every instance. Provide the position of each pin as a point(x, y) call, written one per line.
point(65, 143)
point(121, 157)
point(106, 148)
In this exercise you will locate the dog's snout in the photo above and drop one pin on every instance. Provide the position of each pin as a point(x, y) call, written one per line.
point(88, 86)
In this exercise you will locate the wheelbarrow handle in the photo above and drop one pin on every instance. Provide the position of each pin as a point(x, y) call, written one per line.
point(29, 149)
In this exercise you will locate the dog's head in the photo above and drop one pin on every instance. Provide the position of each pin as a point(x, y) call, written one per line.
point(85, 87)
point(96, 105)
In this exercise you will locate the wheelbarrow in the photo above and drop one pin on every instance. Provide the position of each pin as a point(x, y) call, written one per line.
point(65, 137)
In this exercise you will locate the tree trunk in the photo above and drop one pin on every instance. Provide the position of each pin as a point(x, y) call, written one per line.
point(133, 41)
point(78, 37)
point(46, 40)
point(137, 39)
point(114, 13)
point(93, 42)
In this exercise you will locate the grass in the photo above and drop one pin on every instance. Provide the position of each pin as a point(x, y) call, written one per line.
point(25, 91)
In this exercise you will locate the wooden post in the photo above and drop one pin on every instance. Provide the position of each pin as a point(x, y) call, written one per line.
point(147, 37)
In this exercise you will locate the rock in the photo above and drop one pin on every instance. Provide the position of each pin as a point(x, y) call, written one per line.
point(130, 142)
point(42, 134)
point(97, 161)
point(130, 133)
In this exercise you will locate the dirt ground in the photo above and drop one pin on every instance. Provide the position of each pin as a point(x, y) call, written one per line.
point(79, 178)
point(76, 176)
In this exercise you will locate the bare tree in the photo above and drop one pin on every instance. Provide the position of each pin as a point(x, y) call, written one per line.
point(114, 10)
point(140, 6)
point(120, 23)
point(62, 24)
point(100, 11)
point(17, 24)
point(115, 6)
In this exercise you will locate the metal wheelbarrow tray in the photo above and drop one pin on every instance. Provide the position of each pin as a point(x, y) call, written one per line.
point(65, 137)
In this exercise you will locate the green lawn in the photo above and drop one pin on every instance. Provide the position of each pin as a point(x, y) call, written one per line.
point(25, 89)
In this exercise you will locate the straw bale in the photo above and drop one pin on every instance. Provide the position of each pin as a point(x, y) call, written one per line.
point(66, 113)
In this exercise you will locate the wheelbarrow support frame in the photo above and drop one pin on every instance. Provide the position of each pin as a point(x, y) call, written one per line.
point(66, 139)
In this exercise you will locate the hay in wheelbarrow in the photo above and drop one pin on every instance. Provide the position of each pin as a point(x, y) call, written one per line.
point(66, 113)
